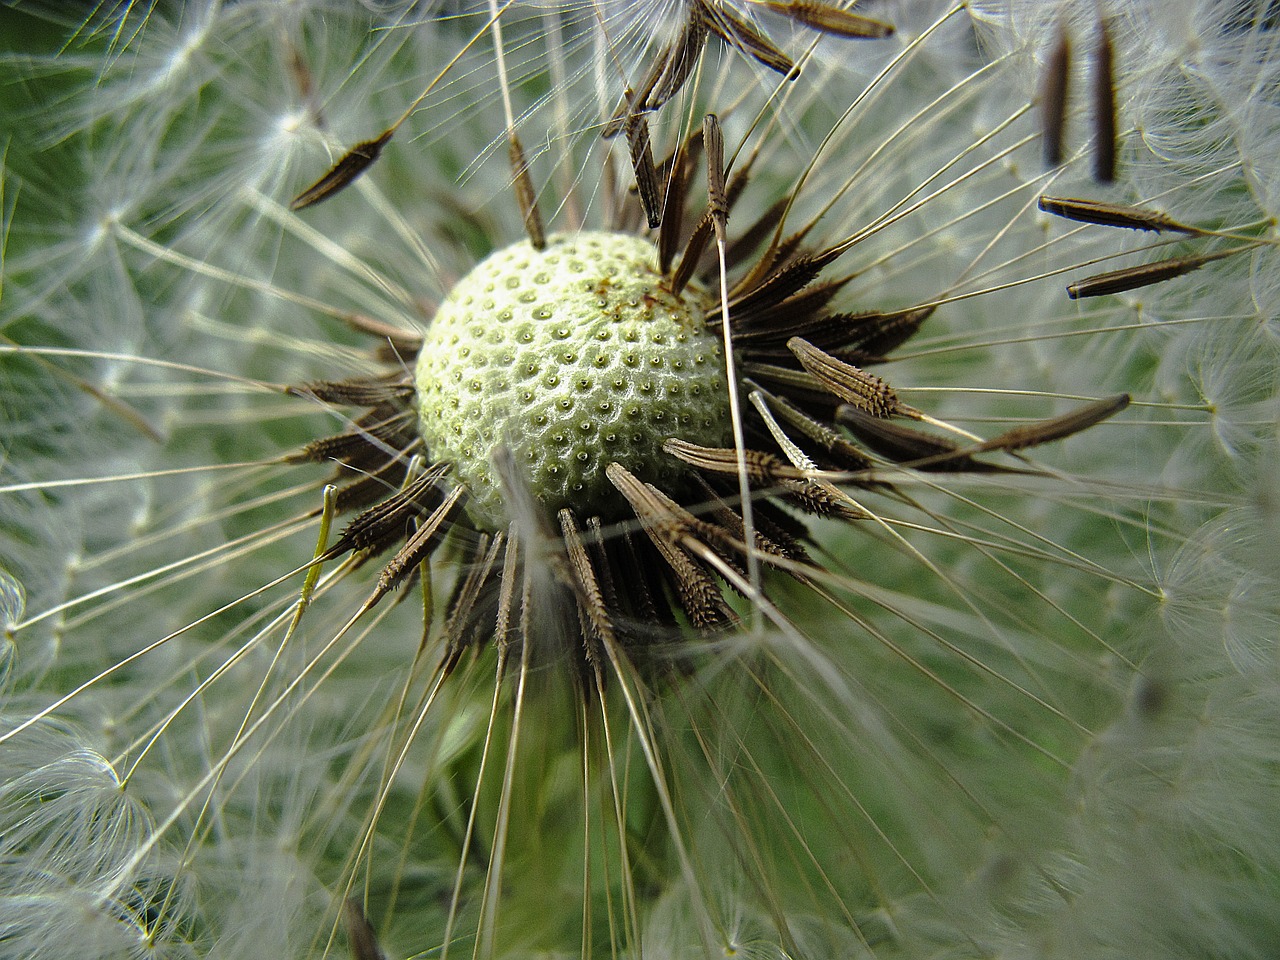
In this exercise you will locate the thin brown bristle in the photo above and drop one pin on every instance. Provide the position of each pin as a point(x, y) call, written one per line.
point(356, 393)
point(406, 343)
point(689, 260)
point(842, 452)
point(673, 216)
point(903, 444)
point(677, 61)
point(761, 467)
point(526, 195)
point(465, 609)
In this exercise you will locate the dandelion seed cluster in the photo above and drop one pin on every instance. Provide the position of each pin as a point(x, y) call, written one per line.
point(1026, 708)
point(573, 357)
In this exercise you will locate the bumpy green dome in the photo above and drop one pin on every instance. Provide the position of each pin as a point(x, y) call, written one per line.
point(573, 356)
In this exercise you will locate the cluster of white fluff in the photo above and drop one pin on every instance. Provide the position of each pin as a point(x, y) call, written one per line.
point(1049, 733)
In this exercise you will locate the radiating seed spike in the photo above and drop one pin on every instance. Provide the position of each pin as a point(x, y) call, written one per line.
point(1132, 278)
point(616, 123)
point(670, 68)
point(780, 531)
point(506, 589)
point(642, 588)
point(886, 332)
point(372, 487)
point(390, 517)
point(1113, 215)
point(407, 343)
point(698, 594)
point(779, 285)
point(353, 163)
point(698, 535)
point(816, 499)
point(600, 562)
point(903, 444)
point(737, 32)
point(746, 243)
point(687, 534)
point(587, 589)
point(761, 467)
point(717, 203)
point(845, 454)
point(797, 314)
point(1104, 107)
point(641, 150)
point(462, 605)
point(355, 393)
point(784, 528)
point(526, 195)
point(830, 19)
point(1056, 428)
point(847, 382)
point(738, 183)
point(698, 241)
point(800, 385)
point(700, 598)
point(677, 195)
point(679, 62)
point(633, 101)
point(1054, 89)
point(360, 936)
point(775, 256)
point(730, 522)
point(357, 445)
point(427, 537)
point(686, 153)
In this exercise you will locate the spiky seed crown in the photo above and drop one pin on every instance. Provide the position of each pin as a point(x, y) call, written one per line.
point(574, 356)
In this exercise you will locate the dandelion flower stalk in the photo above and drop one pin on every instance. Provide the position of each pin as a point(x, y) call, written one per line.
point(657, 479)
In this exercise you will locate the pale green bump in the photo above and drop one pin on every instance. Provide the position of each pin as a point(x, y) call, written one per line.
point(573, 356)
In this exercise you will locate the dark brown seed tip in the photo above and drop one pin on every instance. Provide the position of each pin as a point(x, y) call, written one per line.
point(1104, 107)
point(526, 194)
point(360, 935)
point(713, 140)
point(1132, 278)
point(1057, 428)
point(1053, 97)
point(740, 34)
point(1112, 215)
point(832, 20)
point(353, 163)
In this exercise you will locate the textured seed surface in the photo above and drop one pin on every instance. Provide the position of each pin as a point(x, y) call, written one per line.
point(573, 357)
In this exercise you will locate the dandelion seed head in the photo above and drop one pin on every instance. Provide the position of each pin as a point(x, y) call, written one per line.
point(966, 731)
point(573, 357)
